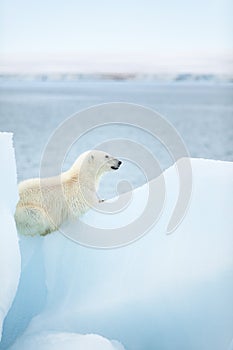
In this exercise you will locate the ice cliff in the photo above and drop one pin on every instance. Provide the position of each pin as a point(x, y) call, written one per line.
point(9, 247)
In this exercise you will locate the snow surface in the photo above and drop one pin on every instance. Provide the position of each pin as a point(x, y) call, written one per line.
point(160, 292)
point(9, 247)
point(67, 341)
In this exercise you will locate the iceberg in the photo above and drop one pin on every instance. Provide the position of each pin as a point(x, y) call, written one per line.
point(9, 247)
point(159, 292)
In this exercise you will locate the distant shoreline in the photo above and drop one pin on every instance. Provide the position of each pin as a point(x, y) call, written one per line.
point(78, 77)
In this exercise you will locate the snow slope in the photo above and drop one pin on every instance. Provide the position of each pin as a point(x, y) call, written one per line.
point(9, 248)
point(66, 341)
point(160, 292)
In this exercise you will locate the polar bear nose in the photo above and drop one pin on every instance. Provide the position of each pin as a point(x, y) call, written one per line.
point(116, 165)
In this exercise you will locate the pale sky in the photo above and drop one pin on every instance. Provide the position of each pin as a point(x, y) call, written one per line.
point(127, 31)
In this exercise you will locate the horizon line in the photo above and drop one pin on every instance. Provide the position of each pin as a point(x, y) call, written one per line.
point(99, 63)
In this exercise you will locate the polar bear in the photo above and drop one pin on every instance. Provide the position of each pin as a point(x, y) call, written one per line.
point(45, 204)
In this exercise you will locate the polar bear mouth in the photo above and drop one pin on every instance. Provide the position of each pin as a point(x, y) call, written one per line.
point(116, 167)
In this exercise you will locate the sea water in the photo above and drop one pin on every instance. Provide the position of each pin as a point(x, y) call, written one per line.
point(202, 113)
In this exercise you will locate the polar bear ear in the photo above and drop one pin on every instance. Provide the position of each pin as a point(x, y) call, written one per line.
point(91, 158)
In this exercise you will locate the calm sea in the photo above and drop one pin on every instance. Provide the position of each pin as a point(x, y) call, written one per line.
point(201, 113)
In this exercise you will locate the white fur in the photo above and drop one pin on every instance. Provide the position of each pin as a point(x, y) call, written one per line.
point(46, 203)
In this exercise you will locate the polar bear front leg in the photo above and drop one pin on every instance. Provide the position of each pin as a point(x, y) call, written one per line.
point(95, 199)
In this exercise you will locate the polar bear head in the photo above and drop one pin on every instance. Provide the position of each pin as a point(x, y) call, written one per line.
point(96, 163)
point(103, 161)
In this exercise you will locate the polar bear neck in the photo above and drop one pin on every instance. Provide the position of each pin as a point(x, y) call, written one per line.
point(89, 178)
point(85, 174)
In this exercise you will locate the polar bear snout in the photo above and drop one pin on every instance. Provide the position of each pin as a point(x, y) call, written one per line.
point(117, 164)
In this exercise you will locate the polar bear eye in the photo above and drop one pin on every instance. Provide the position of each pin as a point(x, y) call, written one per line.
point(106, 156)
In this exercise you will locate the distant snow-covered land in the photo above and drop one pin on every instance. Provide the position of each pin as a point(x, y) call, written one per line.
point(160, 78)
point(160, 292)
